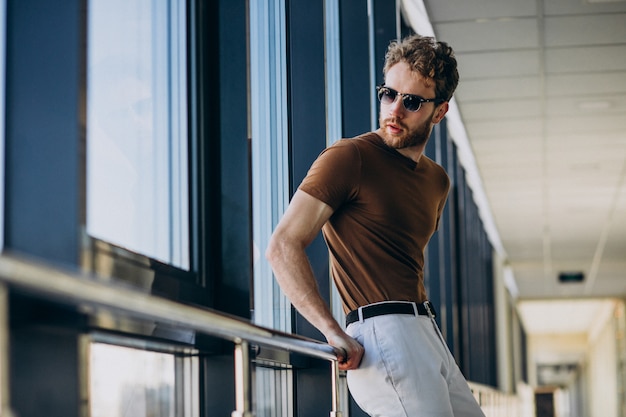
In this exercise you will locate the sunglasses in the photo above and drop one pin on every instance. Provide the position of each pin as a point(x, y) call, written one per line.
point(411, 102)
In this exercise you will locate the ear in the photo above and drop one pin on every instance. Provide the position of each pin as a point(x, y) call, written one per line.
point(440, 112)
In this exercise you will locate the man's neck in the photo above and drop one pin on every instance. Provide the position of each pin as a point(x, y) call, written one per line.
point(413, 152)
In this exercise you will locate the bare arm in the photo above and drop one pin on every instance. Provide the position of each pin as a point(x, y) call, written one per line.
point(300, 224)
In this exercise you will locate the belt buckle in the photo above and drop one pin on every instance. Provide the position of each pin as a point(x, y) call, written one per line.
point(428, 309)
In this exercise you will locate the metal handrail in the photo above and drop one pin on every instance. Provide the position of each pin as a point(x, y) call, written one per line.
point(82, 289)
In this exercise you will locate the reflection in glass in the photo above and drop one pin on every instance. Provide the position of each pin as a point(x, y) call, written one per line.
point(137, 127)
point(125, 382)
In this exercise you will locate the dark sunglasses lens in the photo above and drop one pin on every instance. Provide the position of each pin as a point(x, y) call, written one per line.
point(386, 96)
point(411, 103)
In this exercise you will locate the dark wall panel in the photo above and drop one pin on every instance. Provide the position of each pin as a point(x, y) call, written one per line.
point(236, 205)
point(307, 134)
point(44, 128)
point(306, 84)
point(218, 387)
point(355, 67)
point(307, 116)
point(476, 333)
point(45, 360)
point(385, 31)
point(459, 271)
point(221, 204)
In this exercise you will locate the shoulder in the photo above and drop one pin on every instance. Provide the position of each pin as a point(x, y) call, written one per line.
point(368, 140)
point(358, 142)
point(367, 148)
point(435, 170)
point(342, 152)
point(351, 150)
point(431, 165)
point(334, 176)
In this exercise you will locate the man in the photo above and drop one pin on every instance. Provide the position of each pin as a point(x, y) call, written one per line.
point(378, 199)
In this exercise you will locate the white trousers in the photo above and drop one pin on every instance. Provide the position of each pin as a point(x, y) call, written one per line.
point(407, 370)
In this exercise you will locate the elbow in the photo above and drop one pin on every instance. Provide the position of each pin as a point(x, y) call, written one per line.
point(280, 249)
point(273, 251)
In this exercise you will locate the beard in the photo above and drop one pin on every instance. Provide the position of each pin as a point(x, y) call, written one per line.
point(416, 136)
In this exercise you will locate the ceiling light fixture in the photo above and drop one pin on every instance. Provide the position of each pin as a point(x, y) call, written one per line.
point(571, 277)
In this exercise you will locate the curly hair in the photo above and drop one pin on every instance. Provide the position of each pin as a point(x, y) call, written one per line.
point(433, 60)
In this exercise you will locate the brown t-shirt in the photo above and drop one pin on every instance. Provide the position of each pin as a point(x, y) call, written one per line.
point(386, 208)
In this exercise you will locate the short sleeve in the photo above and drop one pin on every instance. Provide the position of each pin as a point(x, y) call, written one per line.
point(334, 175)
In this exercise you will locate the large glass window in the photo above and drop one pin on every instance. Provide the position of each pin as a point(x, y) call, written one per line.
point(270, 186)
point(137, 194)
point(127, 381)
point(270, 170)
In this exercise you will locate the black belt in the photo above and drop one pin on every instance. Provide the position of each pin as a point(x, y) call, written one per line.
point(381, 309)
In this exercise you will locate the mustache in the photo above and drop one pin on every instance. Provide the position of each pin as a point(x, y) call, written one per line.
point(393, 121)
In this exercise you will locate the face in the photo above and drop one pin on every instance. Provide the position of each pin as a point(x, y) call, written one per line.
point(399, 127)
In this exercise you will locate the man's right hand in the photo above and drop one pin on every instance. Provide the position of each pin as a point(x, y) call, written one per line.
point(349, 351)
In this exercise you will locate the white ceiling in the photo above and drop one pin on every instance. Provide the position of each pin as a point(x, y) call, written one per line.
point(585, 316)
point(542, 98)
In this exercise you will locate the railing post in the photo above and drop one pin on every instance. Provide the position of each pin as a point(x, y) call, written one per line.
point(5, 410)
point(334, 374)
point(243, 379)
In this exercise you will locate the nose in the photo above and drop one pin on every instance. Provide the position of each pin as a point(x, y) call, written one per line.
point(397, 107)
